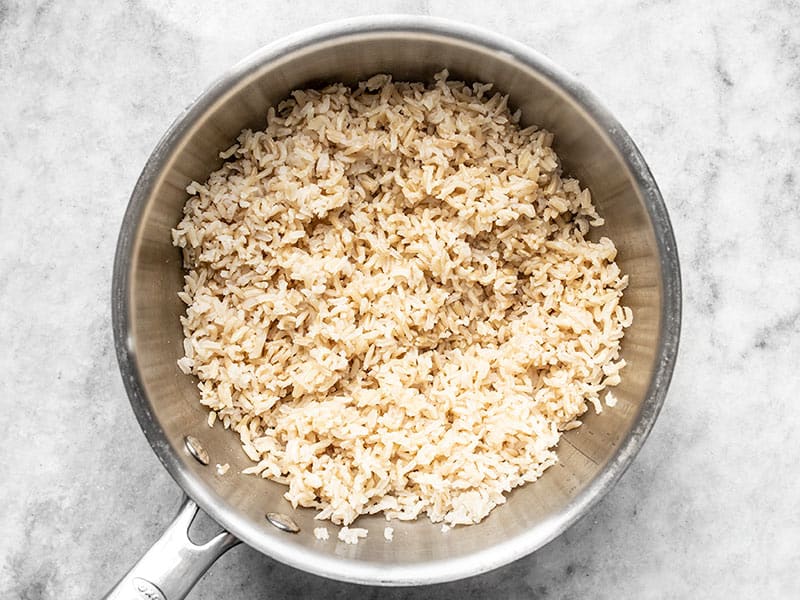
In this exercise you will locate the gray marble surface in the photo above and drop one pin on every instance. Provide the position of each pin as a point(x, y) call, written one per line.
point(710, 92)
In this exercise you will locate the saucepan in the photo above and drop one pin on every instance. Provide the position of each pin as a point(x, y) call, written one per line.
point(146, 310)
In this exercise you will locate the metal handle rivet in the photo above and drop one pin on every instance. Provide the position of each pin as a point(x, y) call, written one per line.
point(283, 522)
point(196, 449)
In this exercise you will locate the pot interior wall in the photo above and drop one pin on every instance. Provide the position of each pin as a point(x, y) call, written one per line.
point(170, 401)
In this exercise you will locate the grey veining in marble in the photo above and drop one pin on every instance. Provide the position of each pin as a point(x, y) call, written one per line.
point(711, 93)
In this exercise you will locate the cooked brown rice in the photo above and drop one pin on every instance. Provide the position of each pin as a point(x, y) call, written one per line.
point(391, 298)
point(351, 535)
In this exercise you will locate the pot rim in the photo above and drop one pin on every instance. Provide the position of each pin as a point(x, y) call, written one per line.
point(491, 557)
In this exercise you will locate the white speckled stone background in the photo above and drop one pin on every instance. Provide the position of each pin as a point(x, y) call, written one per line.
point(711, 94)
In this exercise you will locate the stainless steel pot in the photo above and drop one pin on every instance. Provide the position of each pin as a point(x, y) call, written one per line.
point(147, 277)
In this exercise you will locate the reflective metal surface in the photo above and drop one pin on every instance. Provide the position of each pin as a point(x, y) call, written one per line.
point(171, 567)
point(283, 522)
point(196, 449)
point(593, 147)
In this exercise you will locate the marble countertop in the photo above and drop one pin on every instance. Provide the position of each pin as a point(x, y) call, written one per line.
point(710, 508)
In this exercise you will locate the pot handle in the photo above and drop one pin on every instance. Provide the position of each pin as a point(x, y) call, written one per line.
point(173, 564)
